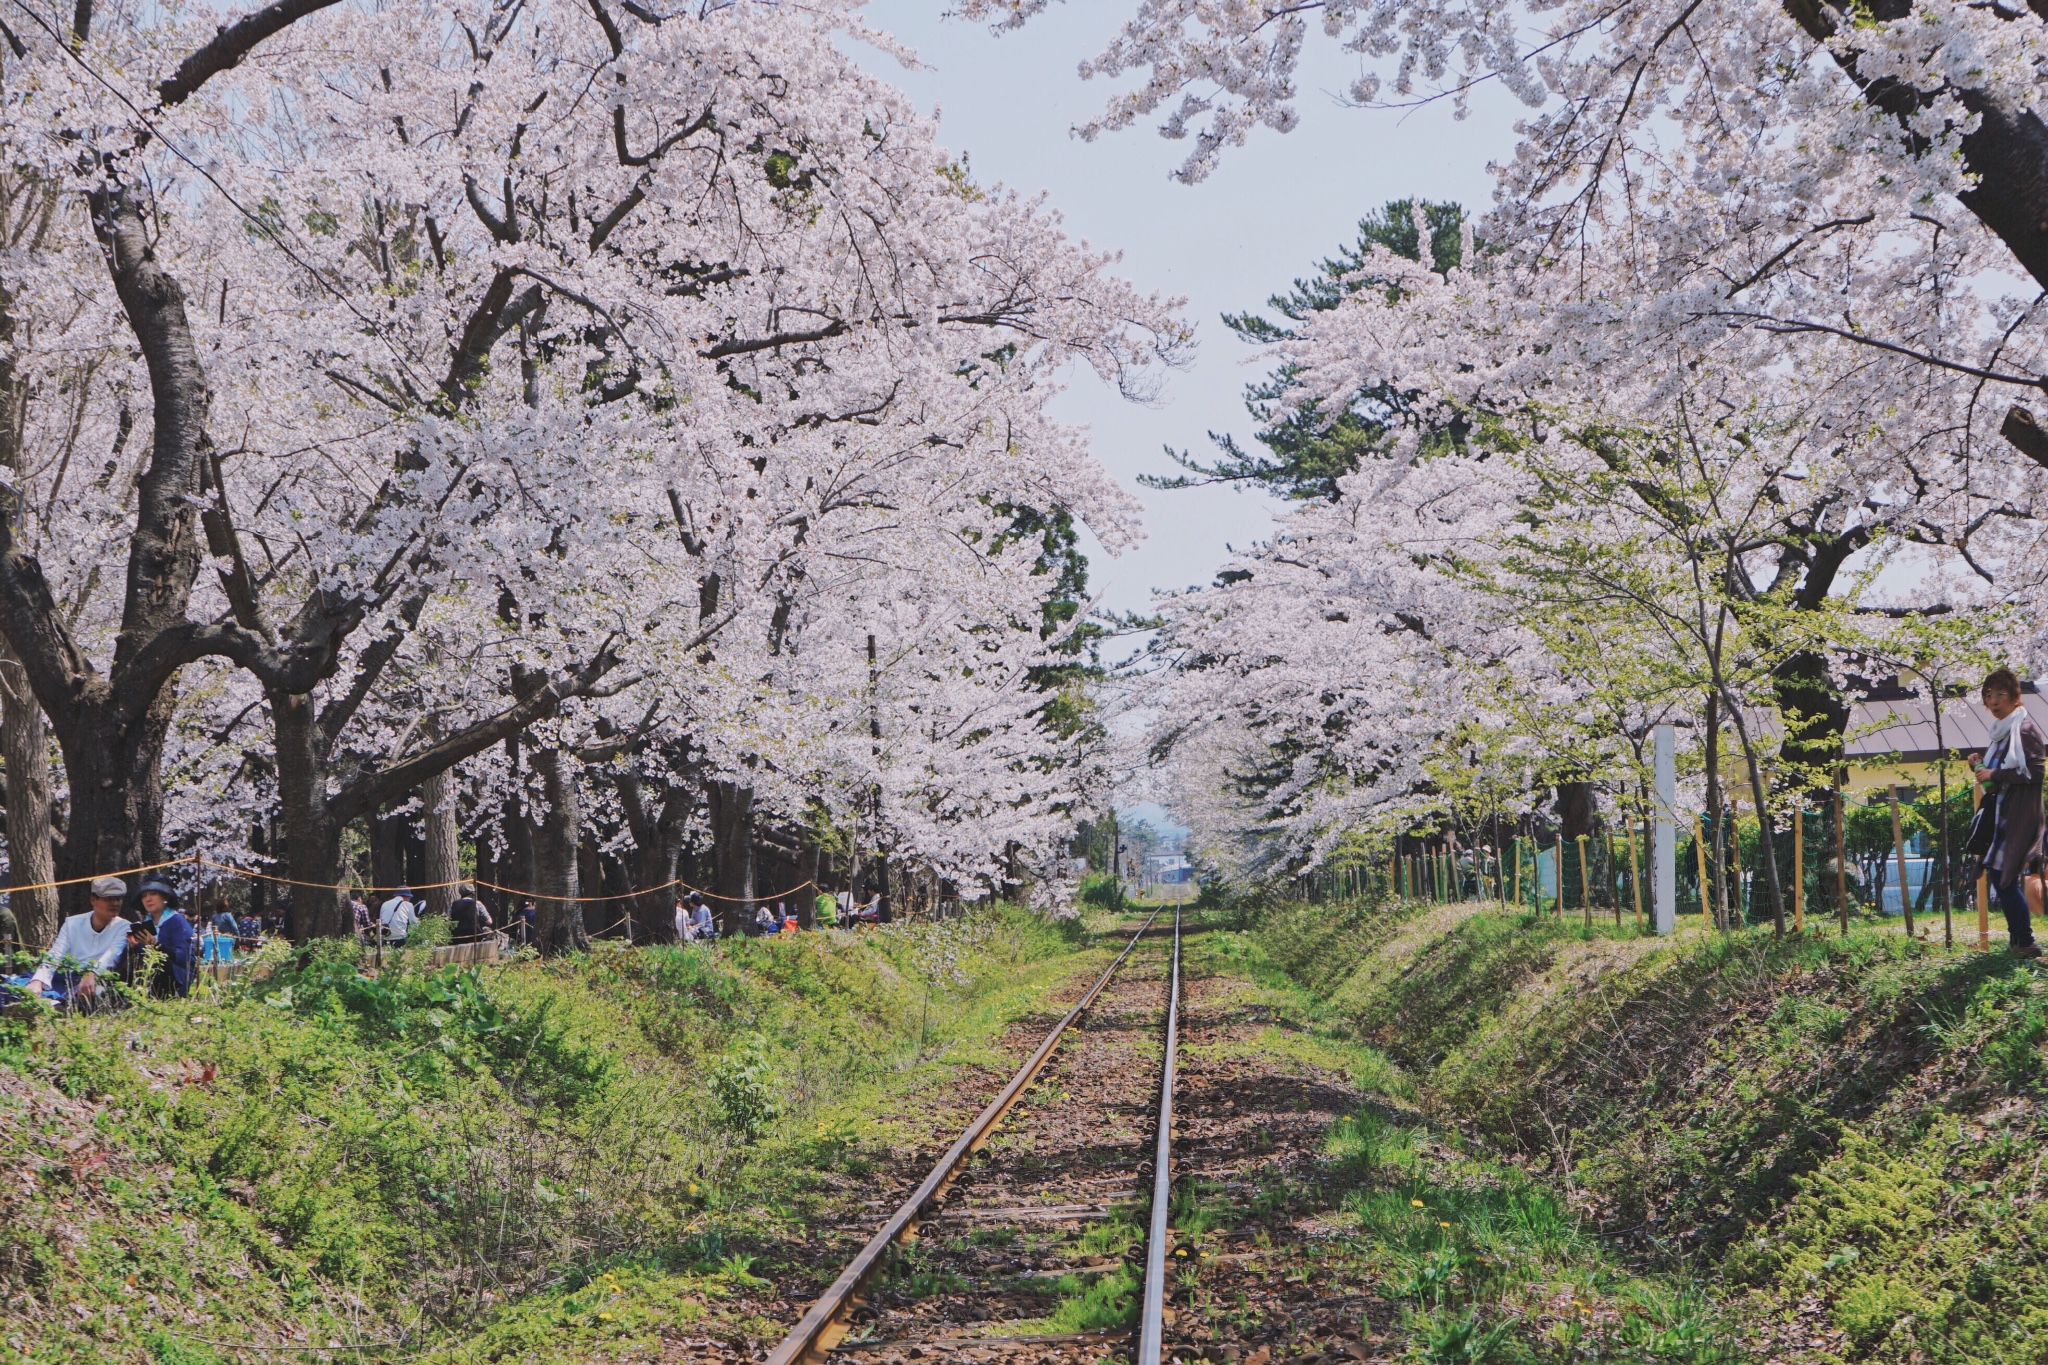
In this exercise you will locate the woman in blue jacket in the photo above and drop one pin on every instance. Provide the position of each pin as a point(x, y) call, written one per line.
point(175, 938)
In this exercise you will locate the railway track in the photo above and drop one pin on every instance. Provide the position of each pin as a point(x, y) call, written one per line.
point(1029, 1253)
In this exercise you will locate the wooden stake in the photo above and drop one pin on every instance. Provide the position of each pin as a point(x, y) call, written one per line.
point(1736, 914)
point(1518, 869)
point(1841, 860)
point(1699, 846)
point(1635, 881)
point(1983, 881)
point(1585, 885)
point(1557, 856)
point(1899, 846)
point(1799, 871)
point(1613, 891)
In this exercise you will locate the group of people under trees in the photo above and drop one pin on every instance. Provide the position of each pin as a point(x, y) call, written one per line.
point(110, 941)
point(470, 919)
point(694, 921)
point(112, 938)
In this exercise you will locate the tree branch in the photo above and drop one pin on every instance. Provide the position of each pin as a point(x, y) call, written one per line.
point(230, 43)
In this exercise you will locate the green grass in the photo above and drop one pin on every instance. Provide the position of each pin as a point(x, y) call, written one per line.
point(517, 1162)
point(1776, 1123)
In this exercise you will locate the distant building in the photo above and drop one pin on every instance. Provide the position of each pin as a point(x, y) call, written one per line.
point(1892, 735)
point(1168, 869)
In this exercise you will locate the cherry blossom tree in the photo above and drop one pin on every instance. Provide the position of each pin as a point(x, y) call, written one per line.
point(507, 358)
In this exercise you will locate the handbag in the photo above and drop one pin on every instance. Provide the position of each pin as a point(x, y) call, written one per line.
point(1983, 827)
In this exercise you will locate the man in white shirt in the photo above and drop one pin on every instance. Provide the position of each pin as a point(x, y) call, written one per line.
point(397, 915)
point(684, 931)
point(90, 944)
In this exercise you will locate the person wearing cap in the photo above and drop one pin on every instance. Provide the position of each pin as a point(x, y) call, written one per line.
point(174, 935)
point(87, 946)
point(700, 919)
point(397, 916)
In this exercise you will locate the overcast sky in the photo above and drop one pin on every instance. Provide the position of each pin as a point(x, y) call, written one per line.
point(1272, 209)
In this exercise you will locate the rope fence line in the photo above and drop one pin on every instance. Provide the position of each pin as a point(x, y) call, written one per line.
point(199, 862)
point(202, 862)
point(92, 877)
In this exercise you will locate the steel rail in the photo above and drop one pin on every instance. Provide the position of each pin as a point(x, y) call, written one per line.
point(826, 1322)
point(1152, 1320)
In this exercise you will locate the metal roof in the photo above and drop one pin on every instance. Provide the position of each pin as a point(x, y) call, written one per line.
point(1905, 726)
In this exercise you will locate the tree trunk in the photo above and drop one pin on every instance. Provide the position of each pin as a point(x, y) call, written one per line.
point(25, 746)
point(657, 852)
point(114, 770)
point(313, 848)
point(732, 851)
point(443, 838)
point(559, 909)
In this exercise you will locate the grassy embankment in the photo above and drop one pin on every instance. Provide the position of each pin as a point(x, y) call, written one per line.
point(570, 1160)
point(1839, 1140)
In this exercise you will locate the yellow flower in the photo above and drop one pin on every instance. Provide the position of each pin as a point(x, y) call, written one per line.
point(1417, 1203)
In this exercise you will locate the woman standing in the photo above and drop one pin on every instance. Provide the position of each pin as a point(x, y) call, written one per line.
point(2010, 773)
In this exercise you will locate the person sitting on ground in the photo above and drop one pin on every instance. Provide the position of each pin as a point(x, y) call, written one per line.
point(701, 920)
point(224, 919)
point(2010, 773)
point(248, 930)
point(468, 915)
point(787, 921)
point(87, 946)
point(684, 933)
point(826, 909)
point(396, 916)
point(174, 936)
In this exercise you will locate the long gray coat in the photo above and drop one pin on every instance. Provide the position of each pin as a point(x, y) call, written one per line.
point(2018, 818)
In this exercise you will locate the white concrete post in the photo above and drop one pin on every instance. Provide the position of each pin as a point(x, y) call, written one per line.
point(1664, 836)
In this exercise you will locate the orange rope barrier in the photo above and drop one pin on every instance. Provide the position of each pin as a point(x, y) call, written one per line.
point(76, 881)
point(202, 862)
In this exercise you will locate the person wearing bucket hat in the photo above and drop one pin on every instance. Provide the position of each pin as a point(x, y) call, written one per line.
point(87, 946)
point(174, 936)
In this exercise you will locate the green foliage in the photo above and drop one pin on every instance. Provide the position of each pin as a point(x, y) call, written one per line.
point(1103, 891)
point(1308, 448)
point(742, 1082)
point(1105, 1301)
point(1847, 1126)
point(532, 1161)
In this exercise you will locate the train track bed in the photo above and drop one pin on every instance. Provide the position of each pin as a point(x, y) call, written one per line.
point(1262, 1272)
point(1034, 1255)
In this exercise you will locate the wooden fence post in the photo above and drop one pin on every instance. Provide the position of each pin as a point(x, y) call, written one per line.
point(1841, 859)
point(1635, 881)
point(1699, 846)
point(1983, 884)
point(1585, 883)
point(1899, 847)
point(1799, 870)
